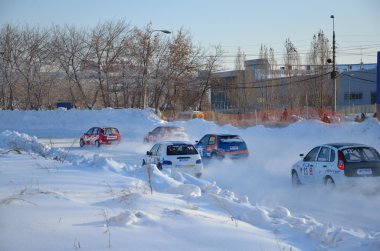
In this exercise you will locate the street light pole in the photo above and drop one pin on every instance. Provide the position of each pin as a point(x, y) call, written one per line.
point(334, 73)
point(145, 73)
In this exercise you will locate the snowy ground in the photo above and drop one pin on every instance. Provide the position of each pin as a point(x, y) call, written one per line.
point(55, 195)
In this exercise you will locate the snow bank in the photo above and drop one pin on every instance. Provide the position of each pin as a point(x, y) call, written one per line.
point(256, 192)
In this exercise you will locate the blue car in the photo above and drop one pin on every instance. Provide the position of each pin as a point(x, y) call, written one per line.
point(222, 146)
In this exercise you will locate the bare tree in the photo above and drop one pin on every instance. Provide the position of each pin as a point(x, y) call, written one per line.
point(206, 63)
point(72, 52)
point(292, 63)
point(317, 58)
point(108, 44)
point(30, 61)
point(239, 94)
point(10, 42)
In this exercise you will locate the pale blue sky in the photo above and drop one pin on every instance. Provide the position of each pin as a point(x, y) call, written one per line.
point(229, 23)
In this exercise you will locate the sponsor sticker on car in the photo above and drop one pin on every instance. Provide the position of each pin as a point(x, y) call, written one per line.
point(364, 171)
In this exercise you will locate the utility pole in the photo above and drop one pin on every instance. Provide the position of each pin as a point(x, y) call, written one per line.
point(334, 73)
point(378, 87)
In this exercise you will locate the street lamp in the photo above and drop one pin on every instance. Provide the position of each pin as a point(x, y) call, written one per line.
point(147, 63)
point(334, 73)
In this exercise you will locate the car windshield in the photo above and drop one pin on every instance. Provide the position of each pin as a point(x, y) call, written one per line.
point(181, 149)
point(231, 139)
point(358, 154)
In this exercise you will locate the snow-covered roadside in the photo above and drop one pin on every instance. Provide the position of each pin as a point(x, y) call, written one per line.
point(90, 203)
point(100, 203)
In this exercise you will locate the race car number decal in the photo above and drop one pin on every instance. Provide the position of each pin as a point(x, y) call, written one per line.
point(307, 170)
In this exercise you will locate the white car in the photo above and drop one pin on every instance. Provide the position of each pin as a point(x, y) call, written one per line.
point(338, 163)
point(177, 155)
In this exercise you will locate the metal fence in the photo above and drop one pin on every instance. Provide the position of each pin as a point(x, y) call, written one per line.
point(356, 109)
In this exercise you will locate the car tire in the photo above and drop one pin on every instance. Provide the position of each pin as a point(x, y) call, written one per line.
point(215, 156)
point(97, 143)
point(329, 182)
point(81, 143)
point(295, 179)
point(159, 166)
point(143, 162)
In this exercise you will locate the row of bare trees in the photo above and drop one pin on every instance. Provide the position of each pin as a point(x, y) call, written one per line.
point(110, 65)
point(116, 65)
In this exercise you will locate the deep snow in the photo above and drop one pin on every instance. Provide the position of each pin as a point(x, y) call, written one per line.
point(58, 196)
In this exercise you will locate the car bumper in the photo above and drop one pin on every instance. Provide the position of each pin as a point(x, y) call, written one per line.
point(345, 181)
point(234, 154)
point(195, 170)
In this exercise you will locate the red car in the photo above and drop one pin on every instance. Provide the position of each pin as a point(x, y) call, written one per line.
point(97, 136)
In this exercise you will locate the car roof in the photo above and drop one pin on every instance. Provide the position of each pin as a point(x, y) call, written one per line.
point(173, 142)
point(343, 145)
point(223, 134)
point(170, 127)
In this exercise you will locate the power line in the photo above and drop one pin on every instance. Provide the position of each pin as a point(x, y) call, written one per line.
point(235, 85)
point(354, 77)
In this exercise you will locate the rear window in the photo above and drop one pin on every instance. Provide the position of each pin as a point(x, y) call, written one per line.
point(110, 131)
point(358, 154)
point(177, 129)
point(181, 149)
point(231, 139)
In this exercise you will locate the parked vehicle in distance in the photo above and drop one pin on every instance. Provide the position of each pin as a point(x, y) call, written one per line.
point(336, 163)
point(166, 133)
point(178, 155)
point(97, 136)
point(221, 146)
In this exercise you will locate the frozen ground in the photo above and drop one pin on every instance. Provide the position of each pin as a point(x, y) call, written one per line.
point(92, 198)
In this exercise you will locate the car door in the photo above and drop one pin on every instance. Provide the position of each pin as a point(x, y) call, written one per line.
point(151, 158)
point(308, 166)
point(324, 164)
point(95, 135)
point(87, 136)
point(202, 145)
point(161, 152)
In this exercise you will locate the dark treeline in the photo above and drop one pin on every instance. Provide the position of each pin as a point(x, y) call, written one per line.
point(111, 65)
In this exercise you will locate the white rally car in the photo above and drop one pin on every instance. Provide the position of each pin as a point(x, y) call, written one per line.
point(336, 163)
point(177, 155)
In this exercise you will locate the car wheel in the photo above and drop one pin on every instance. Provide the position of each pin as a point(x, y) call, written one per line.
point(159, 166)
point(143, 162)
point(215, 156)
point(97, 143)
point(329, 182)
point(295, 179)
point(81, 142)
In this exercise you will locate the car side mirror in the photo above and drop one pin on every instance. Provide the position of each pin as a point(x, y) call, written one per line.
point(148, 153)
point(196, 142)
point(302, 155)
